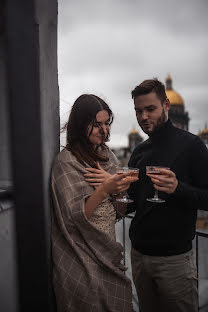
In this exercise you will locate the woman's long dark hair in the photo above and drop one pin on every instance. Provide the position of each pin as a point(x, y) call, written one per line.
point(83, 112)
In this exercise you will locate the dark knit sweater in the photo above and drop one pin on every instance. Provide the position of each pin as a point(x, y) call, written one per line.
point(168, 228)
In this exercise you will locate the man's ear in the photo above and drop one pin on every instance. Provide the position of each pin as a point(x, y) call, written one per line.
point(167, 105)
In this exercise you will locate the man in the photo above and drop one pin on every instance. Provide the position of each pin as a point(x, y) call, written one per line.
point(161, 234)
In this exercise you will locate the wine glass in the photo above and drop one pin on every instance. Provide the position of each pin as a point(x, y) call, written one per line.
point(155, 170)
point(134, 173)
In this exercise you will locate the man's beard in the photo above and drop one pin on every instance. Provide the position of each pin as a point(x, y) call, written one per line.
point(161, 120)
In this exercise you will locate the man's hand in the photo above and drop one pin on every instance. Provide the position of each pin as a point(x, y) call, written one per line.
point(165, 181)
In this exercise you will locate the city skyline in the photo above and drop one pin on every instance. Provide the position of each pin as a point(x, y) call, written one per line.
point(107, 48)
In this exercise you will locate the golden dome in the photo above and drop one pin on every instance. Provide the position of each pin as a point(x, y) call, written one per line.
point(133, 131)
point(172, 95)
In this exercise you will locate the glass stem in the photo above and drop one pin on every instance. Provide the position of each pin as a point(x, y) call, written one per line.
point(156, 194)
point(125, 195)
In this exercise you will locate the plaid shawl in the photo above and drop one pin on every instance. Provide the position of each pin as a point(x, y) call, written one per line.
point(87, 270)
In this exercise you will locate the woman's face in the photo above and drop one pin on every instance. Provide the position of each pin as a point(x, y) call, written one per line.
point(100, 130)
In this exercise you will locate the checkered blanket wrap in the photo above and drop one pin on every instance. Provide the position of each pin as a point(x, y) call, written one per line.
point(87, 270)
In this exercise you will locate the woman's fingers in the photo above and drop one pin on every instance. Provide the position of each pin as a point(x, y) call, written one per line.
point(126, 178)
point(99, 169)
point(117, 183)
point(94, 170)
point(99, 166)
point(97, 173)
point(113, 183)
point(95, 176)
point(94, 180)
point(94, 184)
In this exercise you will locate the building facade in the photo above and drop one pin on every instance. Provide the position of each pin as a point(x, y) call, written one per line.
point(123, 154)
point(204, 135)
point(177, 113)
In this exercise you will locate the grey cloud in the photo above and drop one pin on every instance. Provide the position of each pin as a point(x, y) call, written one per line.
point(108, 47)
point(185, 17)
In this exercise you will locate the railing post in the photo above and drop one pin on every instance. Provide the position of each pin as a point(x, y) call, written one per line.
point(201, 234)
point(197, 263)
point(124, 241)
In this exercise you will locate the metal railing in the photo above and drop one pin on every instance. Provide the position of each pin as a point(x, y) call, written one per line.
point(198, 234)
point(202, 234)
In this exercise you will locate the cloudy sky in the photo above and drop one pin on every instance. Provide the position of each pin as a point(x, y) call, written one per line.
point(108, 47)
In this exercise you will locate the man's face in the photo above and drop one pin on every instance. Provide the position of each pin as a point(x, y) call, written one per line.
point(150, 112)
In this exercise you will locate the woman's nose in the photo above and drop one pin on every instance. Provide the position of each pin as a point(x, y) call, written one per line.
point(103, 129)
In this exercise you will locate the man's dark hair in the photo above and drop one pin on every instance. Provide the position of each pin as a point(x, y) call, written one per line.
point(149, 86)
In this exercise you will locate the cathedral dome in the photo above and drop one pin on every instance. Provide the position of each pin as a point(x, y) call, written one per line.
point(133, 131)
point(172, 95)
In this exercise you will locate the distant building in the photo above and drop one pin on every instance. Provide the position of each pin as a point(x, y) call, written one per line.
point(202, 220)
point(123, 154)
point(134, 139)
point(177, 113)
point(204, 135)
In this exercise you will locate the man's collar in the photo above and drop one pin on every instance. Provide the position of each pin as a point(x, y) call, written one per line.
point(162, 131)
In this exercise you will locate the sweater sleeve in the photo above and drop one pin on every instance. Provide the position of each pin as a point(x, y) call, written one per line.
point(197, 192)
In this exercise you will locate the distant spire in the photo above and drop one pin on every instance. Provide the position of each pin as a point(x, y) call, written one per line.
point(205, 131)
point(168, 82)
point(133, 130)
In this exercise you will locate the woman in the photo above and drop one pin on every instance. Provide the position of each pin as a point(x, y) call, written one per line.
point(87, 270)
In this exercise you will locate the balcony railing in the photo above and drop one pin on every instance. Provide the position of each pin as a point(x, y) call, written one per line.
point(203, 273)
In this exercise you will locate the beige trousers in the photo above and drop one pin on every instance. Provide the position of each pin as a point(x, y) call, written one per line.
point(165, 284)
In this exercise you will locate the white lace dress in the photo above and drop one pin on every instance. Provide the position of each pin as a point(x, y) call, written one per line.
point(104, 217)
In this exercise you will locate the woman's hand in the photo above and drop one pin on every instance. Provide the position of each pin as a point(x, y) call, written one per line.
point(117, 184)
point(96, 176)
point(112, 184)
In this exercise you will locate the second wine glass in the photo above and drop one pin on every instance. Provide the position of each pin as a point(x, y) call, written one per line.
point(155, 170)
